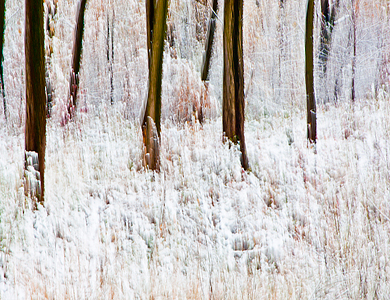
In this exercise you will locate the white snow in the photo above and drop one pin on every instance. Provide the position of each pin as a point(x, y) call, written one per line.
point(298, 225)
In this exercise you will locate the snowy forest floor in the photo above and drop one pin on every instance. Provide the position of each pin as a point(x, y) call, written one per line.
point(303, 223)
point(299, 225)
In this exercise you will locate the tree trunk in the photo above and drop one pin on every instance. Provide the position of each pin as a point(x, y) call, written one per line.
point(354, 11)
point(309, 74)
point(35, 131)
point(150, 6)
point(2, 29)
point(151, 121)
point(110, 52)
point(209, 42)
point(51, 12)
point(233, 77)
point(77, 49)
point(328, 16)
point(325, 34)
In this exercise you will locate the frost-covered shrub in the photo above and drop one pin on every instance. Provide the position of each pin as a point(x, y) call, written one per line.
point(184, 95)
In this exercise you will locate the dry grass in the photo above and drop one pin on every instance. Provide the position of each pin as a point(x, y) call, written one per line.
point(298, 226)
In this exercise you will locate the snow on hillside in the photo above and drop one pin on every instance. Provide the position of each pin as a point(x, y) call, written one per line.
point(304, 223)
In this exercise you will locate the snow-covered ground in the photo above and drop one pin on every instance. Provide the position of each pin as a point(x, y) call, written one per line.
point(304, 223)
point(300, 225)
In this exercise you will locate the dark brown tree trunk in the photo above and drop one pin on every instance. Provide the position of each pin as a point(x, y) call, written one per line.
point(233, 77)
point(328, 16)
point(354, 11)
point(77, 49)
point(209, 42)
point(309, 75)
point(150, 6)
point(2, 29)
point(110, 53)
point(35, 132)
point(151, 120)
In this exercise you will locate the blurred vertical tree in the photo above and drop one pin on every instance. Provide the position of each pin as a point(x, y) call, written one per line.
point(35, 131)
point(328, 17)
point(207, 57)
point(51, 12)
point(355, 7)
point(309, 74)
point(150, 6)
point(156, 15)
point(209, 42)
point(2, 29)
point(110, 52)
point(233, 110)
point(76, 60)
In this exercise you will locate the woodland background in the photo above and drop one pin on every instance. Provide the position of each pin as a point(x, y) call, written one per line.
point(304, 223)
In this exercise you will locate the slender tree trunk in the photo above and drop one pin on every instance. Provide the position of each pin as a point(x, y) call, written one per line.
point(52, 10)
point(2, 30)
point(35, 132)
point(151, 121)
point(325, 34)
point(209, 42)
point(309, 74)
point(110, 54)
point(205, 72)
point(77, 49)
point(150, 6)
point(112, 59)
point(354, 11)
point(233, 77)
point(328, 16)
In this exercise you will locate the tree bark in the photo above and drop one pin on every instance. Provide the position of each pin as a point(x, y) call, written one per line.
point(309, 74)
point(77, 50)
point(2, 29)
point(110, 52)
point(151, 121)
point(328, 16)
point(35, 131)
point(354, 11)
point(209, 42)
point(51, 12)
point(150, 6)
point(233, 117)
